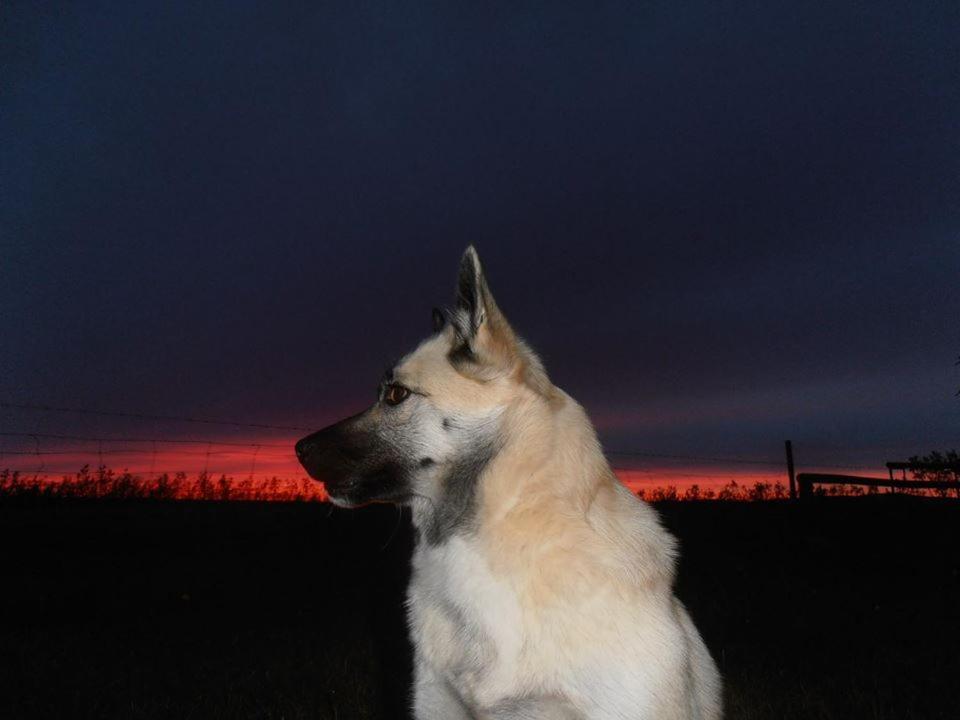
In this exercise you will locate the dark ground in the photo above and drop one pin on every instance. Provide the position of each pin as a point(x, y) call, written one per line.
point(843, 608)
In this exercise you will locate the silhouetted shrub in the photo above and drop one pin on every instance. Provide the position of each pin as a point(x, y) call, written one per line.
point(661, 494)
point(106, 483)
point(949, 474)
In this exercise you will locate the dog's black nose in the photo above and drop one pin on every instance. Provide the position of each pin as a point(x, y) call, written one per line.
point(303, 448)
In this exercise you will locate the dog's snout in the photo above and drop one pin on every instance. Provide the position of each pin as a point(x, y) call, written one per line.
point(303, 448)
point(331, 454)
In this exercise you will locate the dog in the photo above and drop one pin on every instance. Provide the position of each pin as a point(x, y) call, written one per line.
point(541, 587)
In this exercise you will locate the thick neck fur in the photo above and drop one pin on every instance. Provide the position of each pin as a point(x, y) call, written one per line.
point(550, 500)
point(552, 456)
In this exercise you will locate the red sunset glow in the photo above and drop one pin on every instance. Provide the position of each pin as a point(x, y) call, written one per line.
point(269, 458)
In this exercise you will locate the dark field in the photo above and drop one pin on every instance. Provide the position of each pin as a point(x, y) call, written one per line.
point(842, 608)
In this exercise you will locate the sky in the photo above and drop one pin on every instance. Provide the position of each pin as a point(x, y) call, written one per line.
point(722, 225)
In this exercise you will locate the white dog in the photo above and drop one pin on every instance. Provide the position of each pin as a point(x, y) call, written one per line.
point(541, 587)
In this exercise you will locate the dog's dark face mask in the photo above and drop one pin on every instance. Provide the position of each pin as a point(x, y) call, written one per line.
point(355, 463)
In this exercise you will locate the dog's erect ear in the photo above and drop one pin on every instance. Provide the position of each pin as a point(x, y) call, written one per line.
point(472, 294)
point(485, 345)
point(476, 309)
point(482, 333)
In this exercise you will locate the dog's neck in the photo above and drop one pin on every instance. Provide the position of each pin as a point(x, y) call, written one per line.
point(453, 509)
point(551, 459)
point(545, 455)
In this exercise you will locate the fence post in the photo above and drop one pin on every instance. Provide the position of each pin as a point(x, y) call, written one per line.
point(793, 479)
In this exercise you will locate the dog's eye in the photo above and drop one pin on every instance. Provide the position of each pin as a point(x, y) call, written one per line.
point(395, 394)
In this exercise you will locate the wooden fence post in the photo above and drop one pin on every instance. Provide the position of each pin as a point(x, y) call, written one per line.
point(793, 479)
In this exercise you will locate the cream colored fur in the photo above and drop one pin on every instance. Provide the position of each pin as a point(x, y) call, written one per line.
point(558, 602)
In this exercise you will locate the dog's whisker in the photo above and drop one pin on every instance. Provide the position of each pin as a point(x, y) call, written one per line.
point(395, 528)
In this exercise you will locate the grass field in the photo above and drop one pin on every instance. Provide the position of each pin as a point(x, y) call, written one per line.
point(840, 608)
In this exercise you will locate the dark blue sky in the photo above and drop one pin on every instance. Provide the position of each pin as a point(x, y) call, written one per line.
point(722, 224)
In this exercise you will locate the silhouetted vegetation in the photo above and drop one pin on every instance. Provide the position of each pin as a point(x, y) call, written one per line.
point(104, 483)
point(951, 473)
point(757, 492)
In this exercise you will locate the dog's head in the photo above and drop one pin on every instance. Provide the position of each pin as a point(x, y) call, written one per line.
point(439, 414)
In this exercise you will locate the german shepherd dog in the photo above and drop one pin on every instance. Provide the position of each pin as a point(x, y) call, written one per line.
point(541, 587)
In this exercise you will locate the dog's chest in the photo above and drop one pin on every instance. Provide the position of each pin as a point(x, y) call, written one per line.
point(465, 621)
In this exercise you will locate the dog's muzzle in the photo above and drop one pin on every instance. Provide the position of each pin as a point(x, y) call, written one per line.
point(333, 454)
point(303, 448)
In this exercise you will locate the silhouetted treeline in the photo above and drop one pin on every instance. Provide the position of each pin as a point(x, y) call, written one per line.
point(105, 483)
point(758, 492)
point(731, 491)
point(949, 472)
